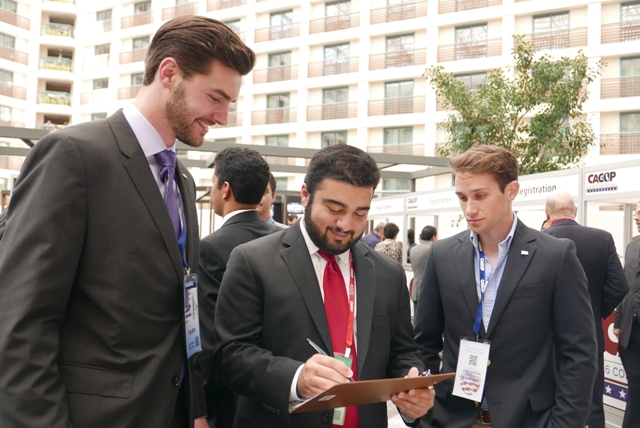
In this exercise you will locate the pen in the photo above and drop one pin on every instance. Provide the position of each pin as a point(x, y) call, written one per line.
point(321, 352)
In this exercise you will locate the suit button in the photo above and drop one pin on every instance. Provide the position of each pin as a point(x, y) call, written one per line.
point(325, 418)
point(176, 381)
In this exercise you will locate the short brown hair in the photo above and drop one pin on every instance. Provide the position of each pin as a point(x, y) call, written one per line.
point(194, 42)
point(272, 182)
point(494, 160)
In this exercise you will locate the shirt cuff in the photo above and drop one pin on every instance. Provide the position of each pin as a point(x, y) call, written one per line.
point(294, 398)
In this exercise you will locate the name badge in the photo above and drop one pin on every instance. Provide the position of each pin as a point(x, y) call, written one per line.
point(191, 315)
point(471, 373)
point(341, 412)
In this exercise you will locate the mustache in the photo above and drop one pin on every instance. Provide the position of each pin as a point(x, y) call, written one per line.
point(338, 230)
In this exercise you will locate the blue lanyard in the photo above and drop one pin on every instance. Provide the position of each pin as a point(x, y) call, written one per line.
point(182, 239)
point(483, 286)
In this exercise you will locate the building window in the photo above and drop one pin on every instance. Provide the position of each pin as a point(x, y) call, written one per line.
point(101, 83)
point(7, 41)
point(9, 5)
point(278, 100)
point(396, 185)
point(398, 89)
point(630, 123)
point(234, 25)
point(278, 108)
point(276, 140)
point(103, 15)
point(332, 138)
point(630, 67)
point(398, 136)
point(103, 49)
point(336, 59)
point(337, 8)
point(403, 43)
point(281, 24)
point(279, 59)
point(6, 76)
point(140, 43)
point(282, 183)
point(136, 79)
point(335, 95)
point(141, 7)
point(551, 22)
point(472, 81)
point(225, 140)
point(630, 12)
point(5, 114)
point(98, 116)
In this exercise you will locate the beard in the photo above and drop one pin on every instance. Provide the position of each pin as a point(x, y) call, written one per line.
point(179, 121)
point(321, 238)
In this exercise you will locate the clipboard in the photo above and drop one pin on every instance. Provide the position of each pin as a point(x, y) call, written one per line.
point(366, 392)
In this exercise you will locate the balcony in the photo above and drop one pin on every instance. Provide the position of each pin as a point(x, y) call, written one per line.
point(448, 6)
point(223, 4)
point(128, 93)
point(136, 20)
point(275, 74)
point(274, 115)
point(180, 10)
point(234, 119)
point(13, 55)
point(334, 23)
point(619, 144)
point(132, 56)
point(58, 30)
point(399, 12)
point(105, 26)
point(621, 32)
point(470, 50)
point(9, 90)
point(99, 96)
point(330, 68)
point(60, 1)
point(56, 63)
point(332, 111)
point(54, 97)
point(14, 19)
point(620, 88)
point(13, 125)
point(406, 58)
point(561, 39)
point(398, 105)
point(278, 32)
point(398, 149)
point(96, 62)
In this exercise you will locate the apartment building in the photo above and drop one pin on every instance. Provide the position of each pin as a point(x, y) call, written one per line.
point(327, 72)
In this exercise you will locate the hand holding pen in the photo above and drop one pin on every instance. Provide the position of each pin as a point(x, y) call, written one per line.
point(321, 352)
point(321, 372)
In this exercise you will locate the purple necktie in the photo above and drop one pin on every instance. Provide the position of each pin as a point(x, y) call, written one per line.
point(167, 161)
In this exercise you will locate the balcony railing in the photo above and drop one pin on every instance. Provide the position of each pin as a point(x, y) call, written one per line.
point(278, 32)
point(399, 12)
point(98, 96)
point(13, 125)
point(180, 10)
point(15, 19)
point(58, 30)
point(470, 50)
point(234, 119)
point(60, 1)
point(96, 62)
point(620, 88)
point(105, 26)
point(329, 68)
point(398, 149)
point(561, 39)
point(619, 144)
point(137, 19)
point(398, 59)
point(274, 115)
point(332, 111)
point(279, 160)
point(275, 74)
point(132, 56)
point(54, 97)
point(129, 92)
point(448, 6)
point(398, 105)
point(621, 32)
point(223, 4)
point(14, 55)
point(56, 63)
point(9, 90)
point(334, 23)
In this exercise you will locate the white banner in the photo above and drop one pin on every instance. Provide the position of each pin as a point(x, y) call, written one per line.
point(540, 188)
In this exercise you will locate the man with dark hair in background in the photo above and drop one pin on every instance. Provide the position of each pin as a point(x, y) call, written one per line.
point(607, 285)
point(239, 179)
point(99, 260)
point(296, 285)
point(269, 197)
point(419, 255)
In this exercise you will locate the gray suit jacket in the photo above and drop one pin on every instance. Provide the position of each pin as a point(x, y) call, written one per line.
point(542, 304)
point(418, 256)
point(270, 303)
point(624, 312)
point(92, 313)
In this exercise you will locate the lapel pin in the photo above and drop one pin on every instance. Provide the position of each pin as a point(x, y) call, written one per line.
point(185, 176)
point(524, 253)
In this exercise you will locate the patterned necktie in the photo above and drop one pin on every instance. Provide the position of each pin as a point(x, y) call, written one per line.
point(167, 161)
point(336, 308)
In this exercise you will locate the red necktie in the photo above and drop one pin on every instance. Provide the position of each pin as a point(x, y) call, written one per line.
point(336, 308)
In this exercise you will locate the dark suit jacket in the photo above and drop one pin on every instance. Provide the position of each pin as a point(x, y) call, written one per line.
point(419, 255)
point(270, 303)
point(542, 302)
point(3, 223)
point(599, 259)
point(215, 251)
point(92, 313)
point(624, 312)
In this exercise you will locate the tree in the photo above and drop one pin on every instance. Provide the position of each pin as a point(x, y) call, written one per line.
point(531, 108)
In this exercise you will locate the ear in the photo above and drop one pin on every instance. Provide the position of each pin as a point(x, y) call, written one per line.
point(167, 73)
point(575, 211)
point(304, 195)
point(227, 192)
point(511, 190)
point(547, 214)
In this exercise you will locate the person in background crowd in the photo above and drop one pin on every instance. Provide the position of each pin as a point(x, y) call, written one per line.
point(411, 242)
point(269, 197)
point(98, 319)
point(506, 299)
point(292, 219)
point(390, 246)
point(419, 255)
point(375, 236)
point(545, 225)
point(627, 328)
point(607, 285)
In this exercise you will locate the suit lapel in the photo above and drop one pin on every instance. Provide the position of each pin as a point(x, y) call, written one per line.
point(521, 253)
point(463, 256)
point(365, 296)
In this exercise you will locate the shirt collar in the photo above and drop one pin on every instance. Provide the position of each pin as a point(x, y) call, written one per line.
point(150, 140)
point(231, 214)
point(313, 248)
point(504, 244)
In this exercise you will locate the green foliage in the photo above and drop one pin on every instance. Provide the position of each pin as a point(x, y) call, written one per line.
point(531, 108)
